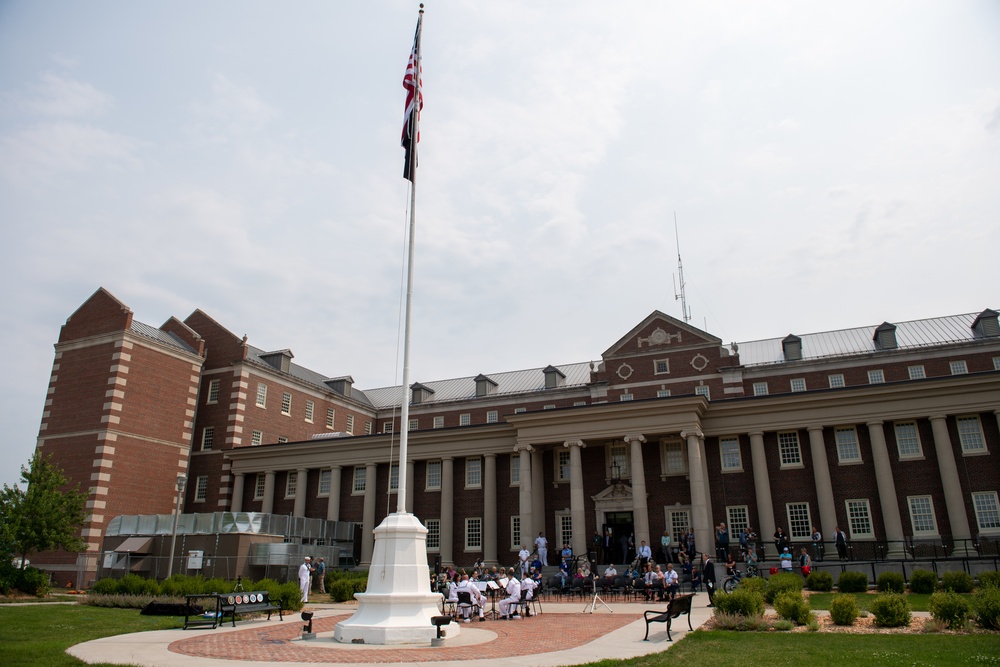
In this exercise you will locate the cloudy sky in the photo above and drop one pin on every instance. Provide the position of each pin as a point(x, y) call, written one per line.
point(830, 165)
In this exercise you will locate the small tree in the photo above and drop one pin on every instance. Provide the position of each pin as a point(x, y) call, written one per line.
point(43, 516)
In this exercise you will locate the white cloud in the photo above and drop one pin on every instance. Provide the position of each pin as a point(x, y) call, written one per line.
point(59, 96)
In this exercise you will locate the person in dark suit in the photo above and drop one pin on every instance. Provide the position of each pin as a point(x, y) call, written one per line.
point(708, 576)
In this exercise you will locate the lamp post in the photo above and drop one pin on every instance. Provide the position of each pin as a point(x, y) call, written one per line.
point(181, 482)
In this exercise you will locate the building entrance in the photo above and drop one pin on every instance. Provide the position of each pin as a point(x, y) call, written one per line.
point(622, 542)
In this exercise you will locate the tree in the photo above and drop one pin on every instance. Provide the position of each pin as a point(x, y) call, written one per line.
point(45, 515)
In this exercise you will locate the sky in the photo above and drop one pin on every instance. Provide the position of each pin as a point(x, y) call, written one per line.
point(830, 165)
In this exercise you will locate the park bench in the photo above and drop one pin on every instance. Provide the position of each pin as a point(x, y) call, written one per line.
point(220, 605)
point(677, 606)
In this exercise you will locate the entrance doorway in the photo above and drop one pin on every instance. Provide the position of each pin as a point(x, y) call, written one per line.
point(622, 530)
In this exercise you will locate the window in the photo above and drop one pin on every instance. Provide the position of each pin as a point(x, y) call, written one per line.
point(213, 391)
point(262, 395)
point(922, 515)
point(291, 484)
point(465, 419)
point(518, 411)
point(491, 417)
point(350, 425)
point(286, 403)
point(987, 511)
point(439, 421)
point(207, 438)
point(562, 465)
point(836, 380)
point(958, 367)
point(673, 454)
point(413, 424)
point(625, 397)
point(259, 486)
point(282, 439)
point(679, 521)
point(368, 428)
point(661, 366)
point(729, 448)
point(433, 476)
point(876, 377)
point(473, 473)
point(739, 519)
point(908, 440)
point(330, 414)
point(515, 532)
point(859, 518)
point(702, 390)
point(324, 482)
point(433, 527)
point(916, 372)
point(201, 489)
point(256, 438)
point(848, 450)
point(394, 477)
point(798, 384)
point(515, 470)
point(996, 363)
point(788, 447)
point(760, 389)
point(473, 534)
point(970, 434)
point(660, 393)
point(360, 479)
point(387, 427)
point(799, 521)
point(564, 530)
point(310, 409)
point(618, 459)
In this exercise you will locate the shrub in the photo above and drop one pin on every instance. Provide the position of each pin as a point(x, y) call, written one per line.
point(31, 581)
point(923, 581)
point(133, 584)
point(959, 582)
point(852, 582)
point(755, 585)
point(843, 609)
point(891, 610)
point(950, 608)
point(890, 582)
point(989, 579)
point(820, 580)
point(932, 625)
point(740, 602)
point(793, 607)
point(986, 603)
point(341, 590)
point(105, 587)
point(783, 583)
point(289, 595)
point(218, 585)
point(783, 625)
point(179, 585)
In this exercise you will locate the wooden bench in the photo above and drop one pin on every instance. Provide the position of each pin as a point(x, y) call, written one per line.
point(677, 606)
point(220, 605)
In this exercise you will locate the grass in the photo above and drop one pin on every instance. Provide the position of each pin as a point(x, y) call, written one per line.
point(40, 634)
point(918, 601)
point(33, 600)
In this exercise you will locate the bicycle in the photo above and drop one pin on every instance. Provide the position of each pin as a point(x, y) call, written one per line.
point(733, 581)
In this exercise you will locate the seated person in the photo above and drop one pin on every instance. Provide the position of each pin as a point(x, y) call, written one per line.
point(670, 582)
point(475, 595)
point(513, 596)
point(610, 572)
point(751, 560)
point(536, 563)
point(695, 579)
point(579, 574)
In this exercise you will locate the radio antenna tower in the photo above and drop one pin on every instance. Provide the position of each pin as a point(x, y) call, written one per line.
point(682, 295)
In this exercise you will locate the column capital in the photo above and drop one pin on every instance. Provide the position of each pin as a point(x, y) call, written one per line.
point(874, 423)
point(523, 447)
point(935, 418)
point(447, 458)
point(490, 455)
point(815, 427)
point(336, 467)
point(634, 436)
point(575, 443)
point(758, 434)
point(696, 432)
point(302, 469)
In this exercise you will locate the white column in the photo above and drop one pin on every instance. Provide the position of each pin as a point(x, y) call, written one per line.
point(525, 491)
point(333, 502)
point(957, 516)
point(537, 497)
point(490, 527)
point(762, 487)
point(301, 480)
point(640, 510)
point(886, 490)
point(704, 539)
point(577, 509)
point(708, 489)
point(410, 484)
point(267, 504)
point(447, 550)
point(824, 486)
point(368, 516)
point(236, 501)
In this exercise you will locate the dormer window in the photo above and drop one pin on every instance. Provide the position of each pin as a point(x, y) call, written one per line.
point(420, 393)
point(341, 385)
point(485, 386)
point(885, 337)
point(791, 347)
point(554, 377)
point(280, 360)
point(987, 324)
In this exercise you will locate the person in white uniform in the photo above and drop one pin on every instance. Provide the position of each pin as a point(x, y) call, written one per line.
point(478, 599)
point(304, 571)
point(513, 596)
point(542, 547)
point(524, 555)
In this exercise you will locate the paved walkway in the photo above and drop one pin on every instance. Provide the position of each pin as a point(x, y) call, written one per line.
point(564, 634)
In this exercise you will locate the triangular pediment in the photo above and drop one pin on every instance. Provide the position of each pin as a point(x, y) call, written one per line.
point(614, 492)
point(660, 332)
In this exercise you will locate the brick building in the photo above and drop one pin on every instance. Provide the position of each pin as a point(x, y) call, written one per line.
point(890, 432)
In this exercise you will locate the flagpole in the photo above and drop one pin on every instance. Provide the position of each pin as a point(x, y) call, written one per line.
point(404, 418)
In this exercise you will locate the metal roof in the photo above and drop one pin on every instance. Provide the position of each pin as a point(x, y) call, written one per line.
point(304, 374)
point(458, 389)
point(160, 335)
point(860, 340)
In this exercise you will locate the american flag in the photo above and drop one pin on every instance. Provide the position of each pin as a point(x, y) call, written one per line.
point(413, 85)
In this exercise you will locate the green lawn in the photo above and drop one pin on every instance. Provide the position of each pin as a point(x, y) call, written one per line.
point(918, 601)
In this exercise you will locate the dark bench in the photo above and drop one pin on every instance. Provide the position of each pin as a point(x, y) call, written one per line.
point(220, 605)
point(677, 606)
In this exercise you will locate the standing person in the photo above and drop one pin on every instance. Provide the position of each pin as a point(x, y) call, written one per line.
point(665, 547)
point(817, 538)
point(708, 576)
point(523, 557)
point(566, 556)
point(743, 543)
point(609, 546)
point(321, 574)
point(304, 578)
point(542, 547)
point(786, 560)
point(721, 542)
point(623, 543)
point(805, 562)
point(841, 544)
point(692, 552)
point(780, 541)
point(644, 554)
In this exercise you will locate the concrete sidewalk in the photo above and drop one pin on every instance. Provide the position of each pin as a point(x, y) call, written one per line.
point(566, 633)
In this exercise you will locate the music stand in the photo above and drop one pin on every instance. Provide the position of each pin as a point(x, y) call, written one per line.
point(597, 598)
